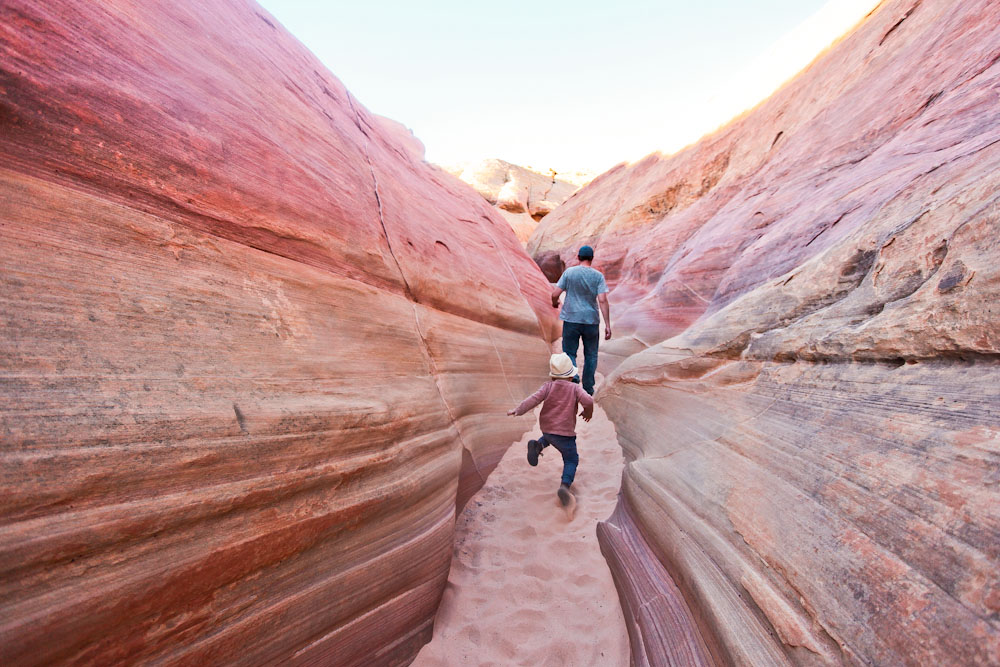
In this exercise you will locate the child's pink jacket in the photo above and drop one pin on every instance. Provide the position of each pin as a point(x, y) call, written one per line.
point(559, 410)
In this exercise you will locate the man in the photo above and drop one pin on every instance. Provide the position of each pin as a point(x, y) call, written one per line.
point(585, 288)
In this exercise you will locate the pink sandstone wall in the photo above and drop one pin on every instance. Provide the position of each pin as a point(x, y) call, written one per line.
point(806, 375)
point(253, 350)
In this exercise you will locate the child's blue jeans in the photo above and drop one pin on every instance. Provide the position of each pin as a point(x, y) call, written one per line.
point(566, 444)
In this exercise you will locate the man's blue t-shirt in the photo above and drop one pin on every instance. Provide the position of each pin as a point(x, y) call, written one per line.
point(582, 284)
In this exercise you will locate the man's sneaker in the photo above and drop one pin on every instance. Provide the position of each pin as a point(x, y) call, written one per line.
point(534, 451)
point(564, 495)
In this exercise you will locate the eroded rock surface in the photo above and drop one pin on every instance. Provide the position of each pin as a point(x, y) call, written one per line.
point(252, 347)
point(807, 384)
point(522, 196)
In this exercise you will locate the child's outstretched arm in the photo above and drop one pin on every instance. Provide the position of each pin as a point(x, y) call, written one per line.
point(530, 402)
point(587, 402)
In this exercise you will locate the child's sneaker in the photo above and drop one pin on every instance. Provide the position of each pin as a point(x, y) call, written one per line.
point(534, 451)
point(564, 495)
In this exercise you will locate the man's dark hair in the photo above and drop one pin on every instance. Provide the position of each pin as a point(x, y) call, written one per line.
point(586, 252)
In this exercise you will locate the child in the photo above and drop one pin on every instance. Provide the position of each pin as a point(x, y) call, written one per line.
point(559, 398)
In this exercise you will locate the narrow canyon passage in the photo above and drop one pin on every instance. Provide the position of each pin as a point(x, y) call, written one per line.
point(253, 344)
point(528, 586)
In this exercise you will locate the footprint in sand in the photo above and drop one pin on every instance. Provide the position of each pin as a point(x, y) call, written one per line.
point(525, 532)
point(537, 571)
point(540, 495)
point(527, 617)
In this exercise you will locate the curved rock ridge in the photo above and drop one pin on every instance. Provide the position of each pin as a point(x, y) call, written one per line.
point(254, 350)
point(521, 195)
point(808, 384)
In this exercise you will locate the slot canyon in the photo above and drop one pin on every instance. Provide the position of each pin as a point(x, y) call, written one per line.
point(257, 353)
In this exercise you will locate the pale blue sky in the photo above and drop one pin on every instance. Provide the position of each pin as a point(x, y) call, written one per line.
point(549, 84)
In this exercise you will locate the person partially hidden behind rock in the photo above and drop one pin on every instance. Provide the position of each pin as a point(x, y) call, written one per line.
point(559, 398)
point(585, 288)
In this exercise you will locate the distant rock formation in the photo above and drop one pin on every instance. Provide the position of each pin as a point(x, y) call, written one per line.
point(522, 196)
point(254, 349)
point(806, 371)
point(551, 264)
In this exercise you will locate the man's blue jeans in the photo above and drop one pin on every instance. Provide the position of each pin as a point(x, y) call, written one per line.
point(572, 334)
point(566, 444)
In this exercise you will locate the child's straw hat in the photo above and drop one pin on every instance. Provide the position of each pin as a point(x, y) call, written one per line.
point(560, 366)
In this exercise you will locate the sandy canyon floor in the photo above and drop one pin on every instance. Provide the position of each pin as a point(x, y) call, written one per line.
point(528, 585)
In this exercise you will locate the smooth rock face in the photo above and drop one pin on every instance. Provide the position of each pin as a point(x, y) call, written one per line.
point(523, 196)
point(253, 352)
point(807, 385)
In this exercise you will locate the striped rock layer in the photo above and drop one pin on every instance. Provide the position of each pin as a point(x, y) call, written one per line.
point(253, 350)
point(806, 371)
